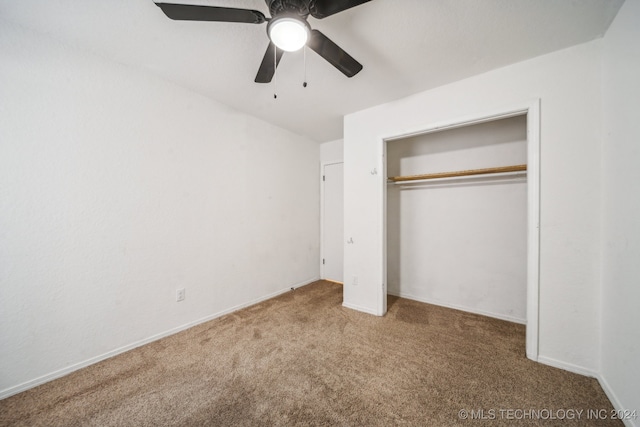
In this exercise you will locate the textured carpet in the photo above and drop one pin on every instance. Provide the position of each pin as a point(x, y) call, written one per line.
point(303, 359)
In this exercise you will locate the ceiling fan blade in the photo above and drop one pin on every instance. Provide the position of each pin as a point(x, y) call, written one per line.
point(333, 54)
point(185, 12)
point(322, 8)
point(269, 63)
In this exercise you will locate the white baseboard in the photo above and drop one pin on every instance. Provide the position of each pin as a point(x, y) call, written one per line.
point(76, 366)
point(567, 366)
point(360, 308)
point(598, 376)
point(461, 308)
point(616, 402)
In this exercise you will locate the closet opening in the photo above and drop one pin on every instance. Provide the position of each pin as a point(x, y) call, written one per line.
point(461, 217)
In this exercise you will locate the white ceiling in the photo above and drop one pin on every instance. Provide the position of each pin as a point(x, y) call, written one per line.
point(406, 46)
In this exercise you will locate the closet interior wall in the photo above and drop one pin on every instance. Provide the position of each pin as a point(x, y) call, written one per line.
point(460, 242)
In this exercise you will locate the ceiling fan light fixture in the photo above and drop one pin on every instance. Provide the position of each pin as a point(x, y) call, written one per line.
point(288, 33)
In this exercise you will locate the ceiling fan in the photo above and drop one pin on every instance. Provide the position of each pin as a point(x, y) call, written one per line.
point(288, 29)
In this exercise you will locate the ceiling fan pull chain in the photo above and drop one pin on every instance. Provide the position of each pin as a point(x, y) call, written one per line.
point(275, 72)
point(304, 52)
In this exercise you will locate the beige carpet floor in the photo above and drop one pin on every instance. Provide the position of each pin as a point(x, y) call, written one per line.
point(303, 359)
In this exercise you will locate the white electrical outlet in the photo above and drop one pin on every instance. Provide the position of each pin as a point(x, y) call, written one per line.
point(355, 280)
point(180, 295)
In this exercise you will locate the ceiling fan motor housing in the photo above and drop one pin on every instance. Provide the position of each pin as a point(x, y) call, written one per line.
point(289, 7)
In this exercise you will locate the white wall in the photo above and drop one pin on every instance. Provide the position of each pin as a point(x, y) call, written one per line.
point(621, 208)
point(117, 188)
point(568, 82)
point(332, 151)
point(460, 243)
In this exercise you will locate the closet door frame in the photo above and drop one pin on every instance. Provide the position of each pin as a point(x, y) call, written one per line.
point(530, 109)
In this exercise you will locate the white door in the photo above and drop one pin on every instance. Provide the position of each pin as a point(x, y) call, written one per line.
point(332, 222)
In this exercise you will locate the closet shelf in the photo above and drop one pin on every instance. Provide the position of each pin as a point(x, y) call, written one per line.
point(470, 172)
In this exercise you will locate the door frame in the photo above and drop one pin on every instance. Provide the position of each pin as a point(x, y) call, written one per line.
point(531, 110)
point(322, 246)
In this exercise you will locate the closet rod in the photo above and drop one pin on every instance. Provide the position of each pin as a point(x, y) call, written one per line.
point(499, 169)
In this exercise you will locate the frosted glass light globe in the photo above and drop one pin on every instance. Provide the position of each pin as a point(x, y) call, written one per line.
point(289, 34)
